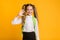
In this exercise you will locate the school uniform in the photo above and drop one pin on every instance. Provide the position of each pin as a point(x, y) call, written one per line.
point(30, 31)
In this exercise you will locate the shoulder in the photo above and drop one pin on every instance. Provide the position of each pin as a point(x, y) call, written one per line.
point(36, 20)
point(34, 17)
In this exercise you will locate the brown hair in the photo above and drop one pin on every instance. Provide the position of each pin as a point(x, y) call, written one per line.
point(25, 8)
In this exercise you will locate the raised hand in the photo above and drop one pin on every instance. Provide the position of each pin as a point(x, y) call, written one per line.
point(21, 12)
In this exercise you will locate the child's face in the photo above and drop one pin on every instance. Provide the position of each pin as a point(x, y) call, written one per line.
point(29, 10)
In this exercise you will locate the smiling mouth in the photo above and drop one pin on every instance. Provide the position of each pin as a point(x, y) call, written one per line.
point(28, 14)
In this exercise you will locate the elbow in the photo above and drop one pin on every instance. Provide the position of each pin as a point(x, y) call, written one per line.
point(12, 22)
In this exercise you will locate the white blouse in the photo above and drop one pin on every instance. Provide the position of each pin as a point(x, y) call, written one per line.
point(28, 26)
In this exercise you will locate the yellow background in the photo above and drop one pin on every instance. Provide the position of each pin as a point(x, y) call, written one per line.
point(48, 14)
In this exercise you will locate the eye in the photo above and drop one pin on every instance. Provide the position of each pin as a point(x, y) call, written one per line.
point(27, 9)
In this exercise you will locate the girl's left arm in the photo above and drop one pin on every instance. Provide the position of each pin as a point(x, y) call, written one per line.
point(36, 30)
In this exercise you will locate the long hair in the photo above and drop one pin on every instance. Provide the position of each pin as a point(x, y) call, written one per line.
point(25, 8)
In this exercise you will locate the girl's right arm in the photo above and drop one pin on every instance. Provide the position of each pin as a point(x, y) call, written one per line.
point(18, 19)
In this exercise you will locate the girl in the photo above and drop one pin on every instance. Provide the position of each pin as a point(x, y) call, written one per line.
point(28, 17)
